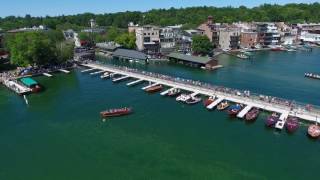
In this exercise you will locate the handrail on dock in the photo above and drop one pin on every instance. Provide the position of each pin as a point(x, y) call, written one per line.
point(267, 103)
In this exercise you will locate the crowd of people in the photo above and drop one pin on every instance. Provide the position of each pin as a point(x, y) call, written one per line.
point(268, 99)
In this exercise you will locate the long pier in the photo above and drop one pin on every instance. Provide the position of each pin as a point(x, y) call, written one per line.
point(252, 101)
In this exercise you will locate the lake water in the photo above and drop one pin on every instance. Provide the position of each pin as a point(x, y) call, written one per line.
point(61, 136)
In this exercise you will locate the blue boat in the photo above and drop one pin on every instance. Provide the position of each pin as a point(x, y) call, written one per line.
point(234, 110)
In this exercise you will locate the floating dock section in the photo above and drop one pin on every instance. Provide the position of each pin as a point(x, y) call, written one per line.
point(120, 78)
point(105, 75)
point(88, 70)
point(64, 71)
point(98, 72)
point(135, 82)
point(244, 111)
point(16, 87)
point(282, 120)
point(253, 100)
point(166, 91)
point(47, 74)
point(215, 103)
point(146, 87)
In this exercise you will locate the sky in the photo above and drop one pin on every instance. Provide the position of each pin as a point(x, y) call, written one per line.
point(69, 7)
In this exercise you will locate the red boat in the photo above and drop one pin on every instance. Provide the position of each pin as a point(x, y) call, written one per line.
point(314, 131)
point(252, 115)
point(116, 112)
point(154, 89)
point(208, 101)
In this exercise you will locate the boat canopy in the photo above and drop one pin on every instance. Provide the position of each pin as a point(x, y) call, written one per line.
point(28, 81)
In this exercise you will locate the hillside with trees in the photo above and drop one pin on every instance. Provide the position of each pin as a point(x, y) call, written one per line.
point(190, 17)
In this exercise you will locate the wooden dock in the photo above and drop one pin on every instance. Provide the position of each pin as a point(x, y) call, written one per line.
point(146, 87)
point(244, 111)
point(120, 78)
point(215, 103)
point(98, 72)
point(64, 71)
point(253, 100)
point(166, 91)
point(47, 74)
point(87, 70)
point(135, 82)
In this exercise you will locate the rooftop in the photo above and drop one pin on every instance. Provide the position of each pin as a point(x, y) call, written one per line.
point(28, 81)
point(195, 59)
point(130, 54)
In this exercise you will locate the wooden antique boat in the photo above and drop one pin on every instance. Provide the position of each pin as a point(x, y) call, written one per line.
point(154, 88)
point(272, 120)
point(223, 105)
point(116, 112)
point(314, 131)
point(252, 114)
point(292, 124)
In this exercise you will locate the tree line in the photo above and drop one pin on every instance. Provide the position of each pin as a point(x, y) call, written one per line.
point(38, 48)
point(190, 17)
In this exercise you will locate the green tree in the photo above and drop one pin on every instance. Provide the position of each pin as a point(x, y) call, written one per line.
point(83, 36)
point(112, 33)
point(127, 40)
point(201, 45)
point(64, 51)
point(31, 48)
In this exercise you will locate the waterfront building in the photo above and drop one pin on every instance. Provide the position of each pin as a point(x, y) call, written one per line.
point(211, 30)
point(310, 37)
point(148, 39)
point(107, 47)
point(229, 38)
point(132, 27)
point(169, 37)
point(312, 28)
point(83, 53)
point(193, 32)
point(248, 39)
point(129, 54)
point(193, 61)
point(268, 34)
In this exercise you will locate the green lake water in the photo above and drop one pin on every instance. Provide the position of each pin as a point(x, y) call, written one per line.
point(61, 136)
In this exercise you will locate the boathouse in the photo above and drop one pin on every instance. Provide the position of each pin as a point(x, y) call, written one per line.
point(129, 54)
point(193, 61)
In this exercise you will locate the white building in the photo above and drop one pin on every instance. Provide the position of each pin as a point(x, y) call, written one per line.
point(310, 37)
point(169, 36)
point(148, 38)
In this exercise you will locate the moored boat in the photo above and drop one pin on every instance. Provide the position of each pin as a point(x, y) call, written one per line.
point(154, 88)
point(312, 75)
point(223, 105)
point(183, 98)
point(193, 100)
point(32, 84)
point(252, 114)
point(208, 101)
point(174, 92)
point(234, 110)
point(314, 131)
point(272, 120)
point(116, 112)
point(292, 124)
